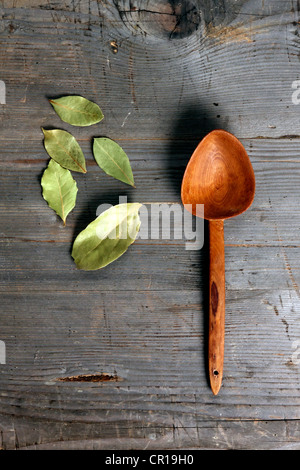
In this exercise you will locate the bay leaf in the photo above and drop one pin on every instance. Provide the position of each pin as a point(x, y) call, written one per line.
point(59, 189)
point(77, 110)
point(107, 237)
point(112, 159)
point(64, 149)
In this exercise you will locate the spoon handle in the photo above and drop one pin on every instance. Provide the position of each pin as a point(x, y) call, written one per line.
point(216, 304)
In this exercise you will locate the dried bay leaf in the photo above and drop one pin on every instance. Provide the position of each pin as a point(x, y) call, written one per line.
point(64, 149)
point(107, 237)
point(77, 110)
point(112, 159)
point(59, 189)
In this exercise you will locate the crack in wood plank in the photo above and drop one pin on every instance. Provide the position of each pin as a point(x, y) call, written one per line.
point(104, 377)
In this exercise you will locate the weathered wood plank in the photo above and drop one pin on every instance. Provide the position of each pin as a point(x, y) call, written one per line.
point(76, 48)
point(231, 434)
point(43, 266)
point(56, 337)
point(275, 207)
point(164, 78)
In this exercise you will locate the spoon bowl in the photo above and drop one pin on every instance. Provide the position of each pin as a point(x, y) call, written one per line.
point(220, 176)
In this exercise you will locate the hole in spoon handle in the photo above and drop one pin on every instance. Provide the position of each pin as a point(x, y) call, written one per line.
point(216, 304)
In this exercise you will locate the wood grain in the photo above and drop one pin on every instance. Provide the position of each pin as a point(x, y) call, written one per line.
point(216, 324)
point(162, 85)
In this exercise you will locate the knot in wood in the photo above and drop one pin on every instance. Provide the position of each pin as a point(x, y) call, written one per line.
point(160, 19)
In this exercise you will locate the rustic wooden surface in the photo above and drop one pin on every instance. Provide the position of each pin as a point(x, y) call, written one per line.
point(164, 74)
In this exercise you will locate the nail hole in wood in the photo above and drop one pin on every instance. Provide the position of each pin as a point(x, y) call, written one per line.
point(114, 47)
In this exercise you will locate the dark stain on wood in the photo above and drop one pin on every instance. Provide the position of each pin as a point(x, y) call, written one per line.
point(214, 298)
point(90, 378)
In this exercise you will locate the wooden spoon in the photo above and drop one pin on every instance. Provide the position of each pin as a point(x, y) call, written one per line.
point(220, 176)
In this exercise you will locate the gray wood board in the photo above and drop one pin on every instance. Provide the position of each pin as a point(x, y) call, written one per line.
point(116, 359)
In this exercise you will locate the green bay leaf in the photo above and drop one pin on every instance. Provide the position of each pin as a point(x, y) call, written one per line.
point(59, 189)
point(64, 149)
point(77, 110)
point(112, 159)
point(107, 237)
